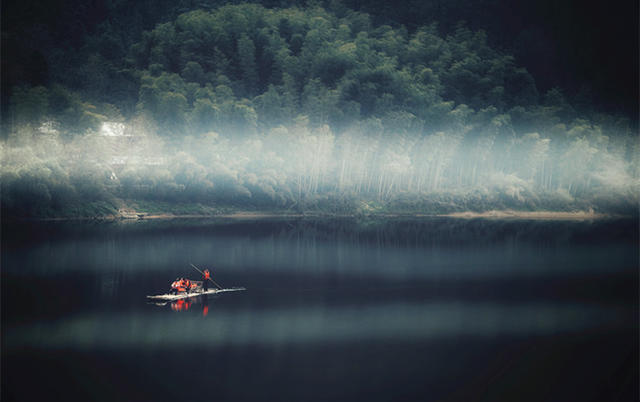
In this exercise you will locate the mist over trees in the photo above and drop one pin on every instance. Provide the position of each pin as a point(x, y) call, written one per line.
point(306, 108)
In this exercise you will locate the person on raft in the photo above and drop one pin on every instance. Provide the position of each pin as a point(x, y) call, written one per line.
point(180, 285)
point(206, 276)
point(175, 287)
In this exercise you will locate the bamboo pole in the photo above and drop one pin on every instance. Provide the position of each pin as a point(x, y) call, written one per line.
point(214, 282)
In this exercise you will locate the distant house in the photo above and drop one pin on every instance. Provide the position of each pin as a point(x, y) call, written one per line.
point(123, 148)
point(114, 129)
point(127, 213)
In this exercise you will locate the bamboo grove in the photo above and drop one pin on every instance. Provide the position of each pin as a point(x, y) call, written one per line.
point(309, 109)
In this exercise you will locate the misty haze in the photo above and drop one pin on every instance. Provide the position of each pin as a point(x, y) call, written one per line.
point(319, 200)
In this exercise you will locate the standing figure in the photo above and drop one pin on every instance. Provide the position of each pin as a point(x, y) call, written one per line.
point(205, 280)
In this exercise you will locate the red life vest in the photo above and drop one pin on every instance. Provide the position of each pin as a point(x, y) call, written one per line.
point(206, 274)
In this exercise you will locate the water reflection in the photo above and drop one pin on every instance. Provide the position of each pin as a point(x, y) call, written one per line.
point(397, 322)
point(181, 305)
point(199, 303)
point(404, 250)
point(404, 302)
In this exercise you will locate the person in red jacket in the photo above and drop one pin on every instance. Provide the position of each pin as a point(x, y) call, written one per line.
point(175, 287)
point(205, 280)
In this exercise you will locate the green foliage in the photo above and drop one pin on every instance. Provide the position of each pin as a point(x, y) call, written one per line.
point(338, 66)
point(260, 67)
point(308, 109)
point(29, 105)
point(56, 106)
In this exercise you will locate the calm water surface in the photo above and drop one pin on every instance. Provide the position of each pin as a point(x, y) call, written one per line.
point(421, 309)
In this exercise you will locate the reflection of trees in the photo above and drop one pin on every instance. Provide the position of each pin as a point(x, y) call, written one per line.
point(413, 232)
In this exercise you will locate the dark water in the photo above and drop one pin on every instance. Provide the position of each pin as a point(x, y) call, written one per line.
point(431, 309)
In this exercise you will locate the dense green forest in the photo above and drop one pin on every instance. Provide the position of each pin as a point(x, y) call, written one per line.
point(312, 107)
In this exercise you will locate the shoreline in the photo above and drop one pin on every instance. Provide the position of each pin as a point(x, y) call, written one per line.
point(533, 215)
point(247, 215)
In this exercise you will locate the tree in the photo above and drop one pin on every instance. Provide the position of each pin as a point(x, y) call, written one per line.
point(193, 72)
point(247, 62)
point(205, 115)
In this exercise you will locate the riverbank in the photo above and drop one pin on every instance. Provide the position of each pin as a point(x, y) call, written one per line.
point(536, 215)
point(442, 204)
point(495, 214)
point(133, 210)
point(253, 215)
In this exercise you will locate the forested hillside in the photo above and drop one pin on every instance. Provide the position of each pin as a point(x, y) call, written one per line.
point(303, 108)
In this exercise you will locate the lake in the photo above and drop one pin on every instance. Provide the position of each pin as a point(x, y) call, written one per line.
point(334, 310)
